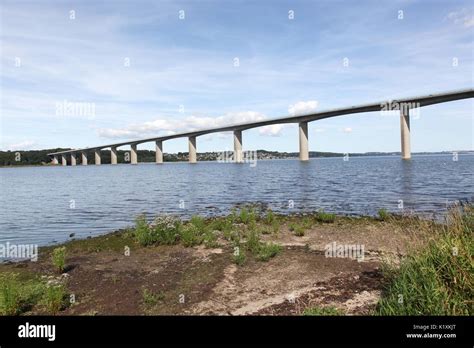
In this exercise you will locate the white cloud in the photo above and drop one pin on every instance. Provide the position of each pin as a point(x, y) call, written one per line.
point(303, 107)
point(347, 130)
point(463, 16)
point(167, 127)
point(273, 130)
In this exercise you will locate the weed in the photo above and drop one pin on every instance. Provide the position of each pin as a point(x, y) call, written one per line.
point(322, 216)
point(58, 258)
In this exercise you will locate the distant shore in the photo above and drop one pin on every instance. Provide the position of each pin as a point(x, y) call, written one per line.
point(34, 158)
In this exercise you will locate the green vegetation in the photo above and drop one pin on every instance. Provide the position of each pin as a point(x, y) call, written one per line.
point(191, 235)
point(19, 295)
point(324, 311)
point(267, 251)
point(324, 217)
point(296, 228)
point(164, 230)
point(54, 297)
point(58, 257)
point(151, 298)
point(239, 256)
point(142, 231)
point(439, 279)
point(383, 214)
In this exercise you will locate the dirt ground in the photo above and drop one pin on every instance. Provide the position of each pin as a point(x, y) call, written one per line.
point(105, 280)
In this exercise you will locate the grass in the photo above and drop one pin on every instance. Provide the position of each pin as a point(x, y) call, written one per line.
point(383, 214)
point(142, 231)
point(58, 257)
point(323, 311)
point(239, 256)
point(18, 295)
point(438, 279)
point(296, 228)
point(324, 217)
point(151, 298)
point(54, 298)
point(190, 235)
point(267, 251)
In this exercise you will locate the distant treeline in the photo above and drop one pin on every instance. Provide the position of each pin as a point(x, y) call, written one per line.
point(40, 157)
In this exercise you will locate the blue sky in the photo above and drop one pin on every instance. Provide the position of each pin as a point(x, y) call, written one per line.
point(182, 73)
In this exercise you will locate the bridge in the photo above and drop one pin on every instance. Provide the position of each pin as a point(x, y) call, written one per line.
point(403, 105)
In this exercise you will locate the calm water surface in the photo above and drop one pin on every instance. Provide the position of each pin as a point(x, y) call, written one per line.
point(45, 205)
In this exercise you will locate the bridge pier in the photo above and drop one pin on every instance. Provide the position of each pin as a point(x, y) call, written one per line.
point(192, 149)
point(303, 133)
point(113, 155)
point(159, 152)
point(133, 154)
point(405, 132)
point(73, 159)
point(84, 158)
point(238, 146)
point(63, 160)
point(97, 157)
point(55, 159)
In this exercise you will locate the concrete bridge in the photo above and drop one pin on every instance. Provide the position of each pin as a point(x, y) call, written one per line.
point(403, 105)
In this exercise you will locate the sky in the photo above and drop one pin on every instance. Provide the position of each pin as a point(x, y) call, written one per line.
point(79, 74)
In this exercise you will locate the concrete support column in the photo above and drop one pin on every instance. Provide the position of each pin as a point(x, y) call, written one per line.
point(63, 160)
point(73, 159)
point(405, 132)
point(84, 158)
point(238, 146)
point(303, 131)
point(55, 159)
point(159, 152)
point(113, 155)
point(133, 154)
point(97, 157)
point(192, 149)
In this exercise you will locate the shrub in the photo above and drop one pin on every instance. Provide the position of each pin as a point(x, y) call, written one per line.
point(269, 217)
point(17, 297)
point(325, 217)
point(267, 251)
point(438, 279)
point(239, 256)
point(166, 229)
point(190, 235)
point(253, 241)
point(58, 258)
point(54, 297)
point(210, 239)
point(276, 225)
point(10, 295)
point(247, 216)
point(143, 233)
point(296, 228)
point(307, 223)
point(199, 222)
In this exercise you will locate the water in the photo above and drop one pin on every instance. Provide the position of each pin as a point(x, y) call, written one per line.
point(44, 205)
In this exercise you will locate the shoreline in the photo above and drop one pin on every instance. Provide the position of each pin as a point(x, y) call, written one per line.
point(243, 263)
